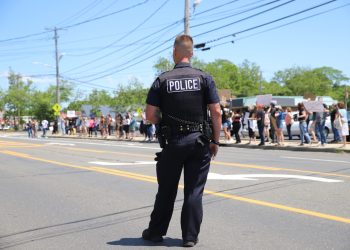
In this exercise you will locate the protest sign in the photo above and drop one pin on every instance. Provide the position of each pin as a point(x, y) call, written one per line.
point(264, 99)
point(313, 106)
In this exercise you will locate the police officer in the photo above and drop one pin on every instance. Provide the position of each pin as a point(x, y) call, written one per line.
point(179, 100)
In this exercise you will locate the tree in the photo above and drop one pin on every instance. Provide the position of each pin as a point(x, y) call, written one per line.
point(129, 97)
point(249, 80)
point(2, 100)
point(18, 95)
point(318, 81)
point(162, 65)
point(225, 74)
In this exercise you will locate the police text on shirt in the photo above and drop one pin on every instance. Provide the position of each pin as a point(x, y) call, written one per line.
point(183, 85)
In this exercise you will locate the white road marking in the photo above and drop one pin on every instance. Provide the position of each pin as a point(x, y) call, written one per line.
point(313, 159)
point(122, 163)
point(253, 177)
point(121, 144)
point(59, 143)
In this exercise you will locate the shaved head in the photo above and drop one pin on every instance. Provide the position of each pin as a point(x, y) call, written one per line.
point(183, 47)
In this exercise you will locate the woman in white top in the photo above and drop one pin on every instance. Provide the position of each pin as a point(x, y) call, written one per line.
point(344, 128)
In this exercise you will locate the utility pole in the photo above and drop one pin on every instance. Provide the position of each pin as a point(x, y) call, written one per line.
point(57, 69)
point(58, 94)
point(187, 17)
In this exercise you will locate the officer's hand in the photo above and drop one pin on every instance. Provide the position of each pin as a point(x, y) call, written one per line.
point(213, 150)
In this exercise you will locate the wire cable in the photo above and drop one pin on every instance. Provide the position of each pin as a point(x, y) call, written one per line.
point(129, 33)
point(278, 27)
point(273, 21)
point(246, 18)
point(235, 14)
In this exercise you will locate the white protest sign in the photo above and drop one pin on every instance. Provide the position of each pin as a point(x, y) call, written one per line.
point(264, 99)
point(70, 113)
point(313, 106)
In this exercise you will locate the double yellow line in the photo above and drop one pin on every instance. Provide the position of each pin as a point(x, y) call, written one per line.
point(152, 179)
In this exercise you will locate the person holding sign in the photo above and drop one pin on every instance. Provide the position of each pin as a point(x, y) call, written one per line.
point(302, 116)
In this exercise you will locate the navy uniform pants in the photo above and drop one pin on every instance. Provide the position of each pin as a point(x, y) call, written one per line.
point(182, 152)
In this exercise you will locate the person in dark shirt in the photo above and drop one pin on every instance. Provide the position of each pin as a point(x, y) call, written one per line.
point(177, 102)
point(260, 118)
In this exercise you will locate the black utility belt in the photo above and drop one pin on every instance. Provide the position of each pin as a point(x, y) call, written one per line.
point(183, 129)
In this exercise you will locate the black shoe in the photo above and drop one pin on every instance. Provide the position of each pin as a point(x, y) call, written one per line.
point(189, 243)
point(146, 235)
point(261, 144)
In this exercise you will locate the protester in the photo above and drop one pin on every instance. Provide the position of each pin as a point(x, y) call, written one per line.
point(35, 127)
point(289, 122)
point(343, 127)
point(267, 124)
point(236, 125)
point(126, 125)
point(44, 124)
point(333, 113)
point(132, 127)
point(226, 124)
point(273, 121)
point(260, 117)
point(279, 125)
point(311, 125)
point(252, 125)
point(109, 124)
point(302, 116)
point(29, 127)
point(92, 126)
point(320, 122)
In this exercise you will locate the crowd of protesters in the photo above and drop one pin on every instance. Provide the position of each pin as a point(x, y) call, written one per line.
point(268, 122)
point(122, 126)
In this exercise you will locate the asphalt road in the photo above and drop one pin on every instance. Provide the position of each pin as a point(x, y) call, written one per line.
point(79, 194)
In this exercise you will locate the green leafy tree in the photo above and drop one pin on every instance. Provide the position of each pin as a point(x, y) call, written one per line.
point(224, 73)
point(318, 81)
point(250, 79)
point(130, 97)
point(2, 100)
point(18, 95)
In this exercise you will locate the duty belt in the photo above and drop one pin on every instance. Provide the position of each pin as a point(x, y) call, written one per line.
point(186, 128)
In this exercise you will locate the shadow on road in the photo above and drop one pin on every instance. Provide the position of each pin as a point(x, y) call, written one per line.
point(168, 242)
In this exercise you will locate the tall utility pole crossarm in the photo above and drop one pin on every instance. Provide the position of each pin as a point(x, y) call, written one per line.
point(187, 17)
point(57, 69)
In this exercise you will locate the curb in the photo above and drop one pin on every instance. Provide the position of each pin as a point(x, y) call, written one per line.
point(287, 148)
point(266, 147)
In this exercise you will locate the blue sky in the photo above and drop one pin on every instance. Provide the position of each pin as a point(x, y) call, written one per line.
point(101, 53)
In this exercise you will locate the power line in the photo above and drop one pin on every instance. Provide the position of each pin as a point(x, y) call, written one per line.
point(129, 45)
point(274, 21)
point(246, 18)
point(167, 40)
point(236, 14)
point(106, 15)
point(216, 7)
point(277, 27)
point(81, 12)
point(130, 32)
point(156, 53)
point(77, 24)
point(25, 36)
point(195, 36)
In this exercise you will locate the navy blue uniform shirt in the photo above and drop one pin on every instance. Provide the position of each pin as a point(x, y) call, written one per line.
point(211, 96)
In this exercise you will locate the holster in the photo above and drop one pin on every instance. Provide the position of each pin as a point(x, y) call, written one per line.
point(163, 134)
point(207, 131)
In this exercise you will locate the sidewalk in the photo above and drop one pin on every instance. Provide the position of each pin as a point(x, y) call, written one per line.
point(288, 145)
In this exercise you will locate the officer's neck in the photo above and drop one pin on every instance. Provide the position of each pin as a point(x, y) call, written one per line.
point(183, 60)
